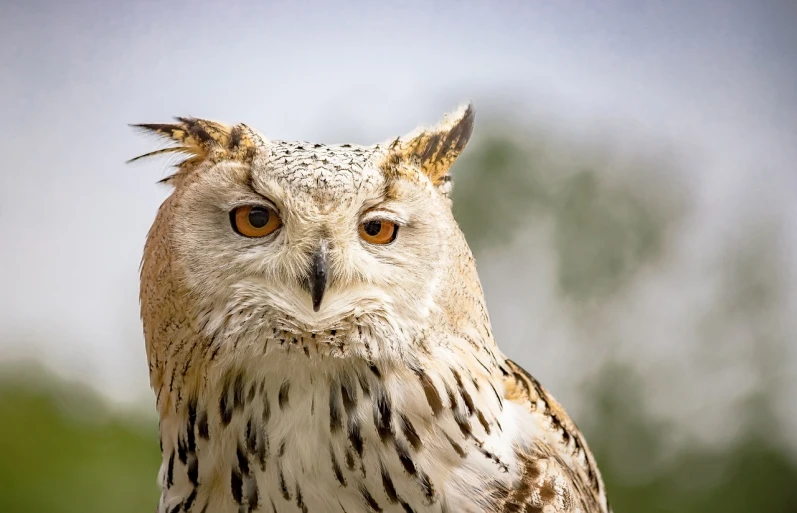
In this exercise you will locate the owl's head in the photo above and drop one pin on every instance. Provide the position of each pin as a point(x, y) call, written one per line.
point(307, 238)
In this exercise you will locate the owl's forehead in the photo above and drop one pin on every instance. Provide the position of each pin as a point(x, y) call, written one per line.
point(323, 169)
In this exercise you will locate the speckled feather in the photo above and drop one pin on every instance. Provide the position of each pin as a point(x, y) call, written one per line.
point(393, 396)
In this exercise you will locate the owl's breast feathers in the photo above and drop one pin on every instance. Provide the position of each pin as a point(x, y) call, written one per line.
point(356, 438)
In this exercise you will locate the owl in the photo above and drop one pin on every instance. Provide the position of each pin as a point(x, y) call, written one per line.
point(318, 339)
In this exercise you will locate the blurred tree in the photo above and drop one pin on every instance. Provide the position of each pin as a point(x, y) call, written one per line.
point(62, 450)
point(754, 474)
point(605, 225)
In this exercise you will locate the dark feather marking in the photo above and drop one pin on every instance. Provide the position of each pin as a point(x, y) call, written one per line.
point(432, 396)
point(281, 480)
point(262, 450)
point(483, 421)
point(463, 423)
point(390, 489)
point(193, 127)
point(191, 436)
point(487, 369)
point(299, 500)
point(171, 382)
point(412, 470)
point(189, 501)
point(466, 397)
point(238, 392)
point(236, 486)
point(409, 432)
point(452, 400)
point(283, 394)
point(497, 396)
point(349, 394)
point(519, 379)
point(224, 409)
point(243, 461)
point(383, 414)
point(193, 470)
point(215, 350)
point(251, 436)
point(404, 458)
point(457, 448)
point(426, 485)
point(355, 437)
point(369, 499)
point(349, 460)
point(253, 496)
point(494, 457)
point(364, 385)
point(182, 451)
point(235, 136)
point(407, 508)
point(202, 425)
point(266, 411)
point(170, 471)
point(336, 468)
point(335, 421)
point(251, 396)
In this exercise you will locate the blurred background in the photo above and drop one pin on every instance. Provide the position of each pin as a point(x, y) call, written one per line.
point(629, 192)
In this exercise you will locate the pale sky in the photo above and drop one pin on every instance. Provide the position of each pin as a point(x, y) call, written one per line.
point(717, 78)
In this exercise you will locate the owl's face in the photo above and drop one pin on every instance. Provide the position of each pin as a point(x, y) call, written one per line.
point(307, 238)
point(314, 234)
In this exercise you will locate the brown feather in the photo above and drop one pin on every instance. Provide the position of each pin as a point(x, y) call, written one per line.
point(579, 469)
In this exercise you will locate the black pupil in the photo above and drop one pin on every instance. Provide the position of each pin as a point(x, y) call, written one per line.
point(258, 217)
point(373, 228)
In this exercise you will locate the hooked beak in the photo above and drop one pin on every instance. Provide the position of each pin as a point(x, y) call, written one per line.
point(318, 275)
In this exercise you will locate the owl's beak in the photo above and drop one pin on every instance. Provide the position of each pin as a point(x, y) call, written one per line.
point(318, 275)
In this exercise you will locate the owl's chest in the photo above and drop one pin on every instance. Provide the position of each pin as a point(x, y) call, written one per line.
point(326, 453)
point(299, 439)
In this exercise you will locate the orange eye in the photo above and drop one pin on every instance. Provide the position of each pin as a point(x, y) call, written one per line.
point(254, 221)
point(378, 231)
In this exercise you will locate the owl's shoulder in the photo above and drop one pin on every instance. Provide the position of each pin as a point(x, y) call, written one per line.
point(557, 472)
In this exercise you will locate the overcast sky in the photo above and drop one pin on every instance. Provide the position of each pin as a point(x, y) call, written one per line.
point(718, 78)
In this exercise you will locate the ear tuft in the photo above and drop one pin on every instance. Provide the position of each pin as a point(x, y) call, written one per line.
point(201, 140)
point(435, 149)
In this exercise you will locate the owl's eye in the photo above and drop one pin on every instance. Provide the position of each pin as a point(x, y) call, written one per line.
point(254, 220)
point(378, 231)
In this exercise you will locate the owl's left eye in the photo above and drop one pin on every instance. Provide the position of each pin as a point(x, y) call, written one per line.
point(254, 221)
point(378, 231)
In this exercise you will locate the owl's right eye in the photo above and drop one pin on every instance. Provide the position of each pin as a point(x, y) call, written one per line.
point(254, 221)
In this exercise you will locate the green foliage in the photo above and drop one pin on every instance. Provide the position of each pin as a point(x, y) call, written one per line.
point(604, 229)
point(601, 236)
point(496, 187)
point(753, 474)
point(63, 451)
